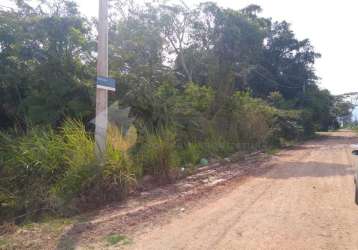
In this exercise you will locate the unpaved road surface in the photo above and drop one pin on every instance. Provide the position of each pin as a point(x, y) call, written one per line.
point(305, 201)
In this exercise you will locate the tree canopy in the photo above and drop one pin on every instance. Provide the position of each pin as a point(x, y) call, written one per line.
point(47, 57)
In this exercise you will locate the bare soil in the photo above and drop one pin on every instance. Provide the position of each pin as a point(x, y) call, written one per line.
point(304, 202)
point(300, 198)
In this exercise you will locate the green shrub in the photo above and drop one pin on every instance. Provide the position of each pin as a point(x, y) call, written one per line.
point(198, 97)
point(191, 154)
point(158, 154)
point(30, 165)
point(285, 128)
point(119, 172)
point(86, 182)
point(217, 147)
point(81, 165)
point(244, 119)
point(43, 170)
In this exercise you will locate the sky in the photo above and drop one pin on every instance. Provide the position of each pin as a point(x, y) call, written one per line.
point(330, 25)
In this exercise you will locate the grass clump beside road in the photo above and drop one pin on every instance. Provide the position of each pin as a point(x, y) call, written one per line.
point(56, 172)
point(114, 239)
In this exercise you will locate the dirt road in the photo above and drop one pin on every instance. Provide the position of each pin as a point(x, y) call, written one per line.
point(304, 202)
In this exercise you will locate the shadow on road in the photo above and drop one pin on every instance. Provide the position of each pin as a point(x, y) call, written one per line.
point(308, 169)
point(69, 239)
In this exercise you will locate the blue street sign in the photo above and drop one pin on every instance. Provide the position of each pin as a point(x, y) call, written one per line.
point(106, 83)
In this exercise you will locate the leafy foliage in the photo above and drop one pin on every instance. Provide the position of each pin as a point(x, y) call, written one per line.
point(158, 153)
point(49, 171)
point(199, 82)
point(191, 153)
point(46, 65)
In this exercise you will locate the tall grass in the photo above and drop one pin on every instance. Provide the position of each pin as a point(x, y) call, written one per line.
point(80, 163)
point(86, 182)
point(191, 153)
point(119, 172)
point(158, 154)
point(57, 171)
point(30, 165)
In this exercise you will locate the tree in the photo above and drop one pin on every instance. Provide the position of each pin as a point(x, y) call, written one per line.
point(175, 21)
point(223, 47)
point(47, 61)
point(286, 64)
point(343, 109)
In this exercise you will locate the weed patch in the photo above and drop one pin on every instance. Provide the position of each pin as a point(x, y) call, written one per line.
point(114, 239)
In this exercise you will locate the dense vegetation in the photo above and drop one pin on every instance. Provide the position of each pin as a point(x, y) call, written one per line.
point(200, 83)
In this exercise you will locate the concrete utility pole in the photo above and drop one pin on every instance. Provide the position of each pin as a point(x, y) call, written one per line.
point(102, 70)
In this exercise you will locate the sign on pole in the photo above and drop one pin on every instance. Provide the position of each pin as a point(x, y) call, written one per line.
point(106, 83)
